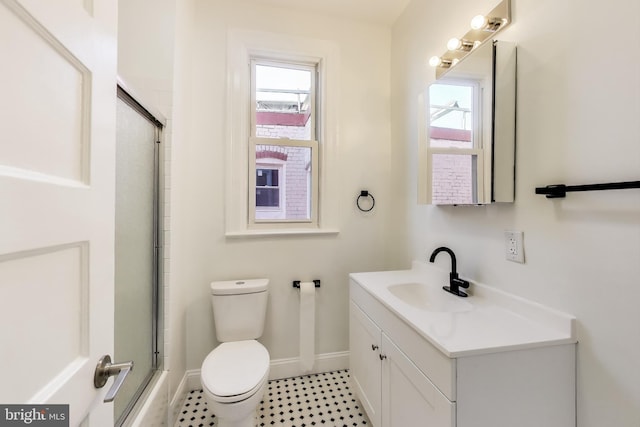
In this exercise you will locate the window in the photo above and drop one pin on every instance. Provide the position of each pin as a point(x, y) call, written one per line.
point(270, 194)
point(283, 146)
point(454, 115)
point(282, 114)
point(267, 188)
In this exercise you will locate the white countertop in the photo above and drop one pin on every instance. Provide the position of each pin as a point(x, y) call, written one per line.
point(495, 321)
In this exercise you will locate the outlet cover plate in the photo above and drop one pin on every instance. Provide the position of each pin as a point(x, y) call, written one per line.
point(513, 246)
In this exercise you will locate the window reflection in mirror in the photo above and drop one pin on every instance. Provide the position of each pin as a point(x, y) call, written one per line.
point(454, 121)
point(453, 114)
point(454, 179)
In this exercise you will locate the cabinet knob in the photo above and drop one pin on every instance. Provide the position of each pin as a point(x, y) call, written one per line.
point(374, 347)
point(382, 356)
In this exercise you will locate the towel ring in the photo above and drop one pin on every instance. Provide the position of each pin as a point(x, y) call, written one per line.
point(365, 193)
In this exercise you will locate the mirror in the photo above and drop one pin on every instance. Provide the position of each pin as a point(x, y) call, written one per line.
point(470, 132)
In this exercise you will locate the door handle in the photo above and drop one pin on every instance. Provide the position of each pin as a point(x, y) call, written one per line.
point(106, 369)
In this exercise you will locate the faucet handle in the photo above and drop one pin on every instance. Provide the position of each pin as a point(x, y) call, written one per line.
point(461, 283)
point(455, 284)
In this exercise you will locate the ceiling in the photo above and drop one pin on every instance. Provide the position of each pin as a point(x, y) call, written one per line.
point(374, 11)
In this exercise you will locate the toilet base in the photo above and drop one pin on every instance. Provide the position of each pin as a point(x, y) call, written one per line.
point(238, 414)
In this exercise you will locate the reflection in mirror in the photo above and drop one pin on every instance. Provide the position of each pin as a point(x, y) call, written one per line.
point(471, 129)
point(454, 142)
point(453, 114)
point(454, 179)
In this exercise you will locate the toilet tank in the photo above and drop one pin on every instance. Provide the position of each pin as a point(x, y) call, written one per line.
point(239, 308)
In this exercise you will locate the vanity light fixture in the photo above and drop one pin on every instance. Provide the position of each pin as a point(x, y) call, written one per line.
point(483, 27)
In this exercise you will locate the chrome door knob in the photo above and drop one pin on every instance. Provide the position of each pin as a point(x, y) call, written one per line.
point(106, 369)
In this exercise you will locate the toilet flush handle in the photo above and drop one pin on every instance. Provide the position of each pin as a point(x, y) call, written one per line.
point(106, 369)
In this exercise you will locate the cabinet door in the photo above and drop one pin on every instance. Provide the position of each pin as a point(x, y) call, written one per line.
point(364, 347)
point(409, 398)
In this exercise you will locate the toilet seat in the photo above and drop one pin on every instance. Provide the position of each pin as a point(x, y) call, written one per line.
point(234, 371)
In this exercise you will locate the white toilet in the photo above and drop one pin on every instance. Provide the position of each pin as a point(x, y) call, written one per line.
point(235, 374)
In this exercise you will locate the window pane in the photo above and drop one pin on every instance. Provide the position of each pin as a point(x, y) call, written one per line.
point(267, 197)
point(283, 102)
point(451, 113)
point(283, 182)
point(454, 179)
point(266, 177)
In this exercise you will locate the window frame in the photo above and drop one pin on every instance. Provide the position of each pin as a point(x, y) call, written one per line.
point(312, 144)
point(252, 222)
point(242, 45)
point(312, 67)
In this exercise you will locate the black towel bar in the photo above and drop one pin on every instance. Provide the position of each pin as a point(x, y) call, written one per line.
point(561, 190)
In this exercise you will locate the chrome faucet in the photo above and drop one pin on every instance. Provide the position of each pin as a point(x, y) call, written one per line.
point(455, 283)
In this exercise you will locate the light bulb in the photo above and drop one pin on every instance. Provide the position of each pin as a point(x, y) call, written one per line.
point(434, 61)
point(454, 44)
point(454, 61)
point(460, 44)
point(479, 22)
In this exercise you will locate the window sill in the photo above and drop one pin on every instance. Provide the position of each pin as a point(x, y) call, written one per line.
point(248, 234)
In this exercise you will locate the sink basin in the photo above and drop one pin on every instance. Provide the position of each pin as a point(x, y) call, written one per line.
point(430, 298)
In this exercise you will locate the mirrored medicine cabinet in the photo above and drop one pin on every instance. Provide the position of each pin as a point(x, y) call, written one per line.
point(468, 130)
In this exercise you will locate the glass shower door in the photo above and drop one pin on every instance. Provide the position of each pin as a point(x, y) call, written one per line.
point(136, 256)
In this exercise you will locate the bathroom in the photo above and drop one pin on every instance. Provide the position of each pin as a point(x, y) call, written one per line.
point(578, 102)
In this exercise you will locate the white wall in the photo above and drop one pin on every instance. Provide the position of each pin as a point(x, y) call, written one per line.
point(146, 30)
point(577, 122)
point(200, 251)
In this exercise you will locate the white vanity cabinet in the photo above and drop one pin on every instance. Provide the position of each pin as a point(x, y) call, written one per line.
point(392, 390)
point(403, 380)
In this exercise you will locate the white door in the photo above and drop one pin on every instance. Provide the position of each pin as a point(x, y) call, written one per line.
point(57, 142)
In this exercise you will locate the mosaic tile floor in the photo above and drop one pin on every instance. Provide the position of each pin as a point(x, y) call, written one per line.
point(312, 400)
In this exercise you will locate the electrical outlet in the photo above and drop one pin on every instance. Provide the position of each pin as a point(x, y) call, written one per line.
point(513, 246)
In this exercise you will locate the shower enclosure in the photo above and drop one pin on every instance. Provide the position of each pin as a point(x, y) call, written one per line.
point(137, 248)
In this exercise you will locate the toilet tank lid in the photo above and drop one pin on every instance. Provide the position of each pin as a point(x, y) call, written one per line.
point(237, 287)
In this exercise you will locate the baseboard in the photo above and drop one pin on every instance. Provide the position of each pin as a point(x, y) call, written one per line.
point(280, 368)
point(190, 381)
point(327, 362)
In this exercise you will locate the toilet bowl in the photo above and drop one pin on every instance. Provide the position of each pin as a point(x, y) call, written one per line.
point(234, 375)
point(234, 378)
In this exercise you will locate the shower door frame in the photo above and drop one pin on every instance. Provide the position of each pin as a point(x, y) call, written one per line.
point(126, 95)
